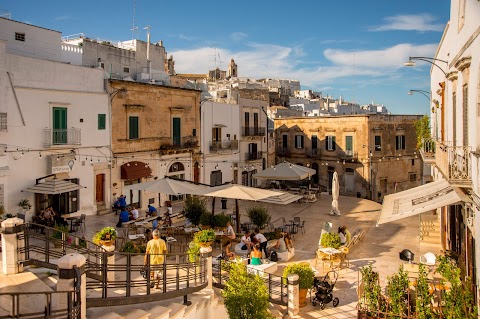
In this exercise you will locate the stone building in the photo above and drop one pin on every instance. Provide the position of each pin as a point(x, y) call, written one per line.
point(374, 155)
point(155, 133)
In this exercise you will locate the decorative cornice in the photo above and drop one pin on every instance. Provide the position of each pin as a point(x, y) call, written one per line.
point(463, 63)
point(452, 76)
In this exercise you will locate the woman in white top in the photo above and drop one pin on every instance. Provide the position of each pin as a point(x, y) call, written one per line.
point(246, 242)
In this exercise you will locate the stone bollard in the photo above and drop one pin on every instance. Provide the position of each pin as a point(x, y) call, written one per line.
point(12, 228)
point(110, 261)
point(66, 279)
point(293, 295)
point(208, 250)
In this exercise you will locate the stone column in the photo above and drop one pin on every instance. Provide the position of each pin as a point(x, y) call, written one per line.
point(66, 278)
point(208, 250)
point(11, 228)
point(110, 261)
point(293, 295)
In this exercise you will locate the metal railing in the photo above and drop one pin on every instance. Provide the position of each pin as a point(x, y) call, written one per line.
point(12, 302)
point(52, 137)
point(251, 156)
point(120, 282)
point(427, 150)
point(178, 143)
point(455, 164)
point(277, 285)
point(253, 131)
point(218, 146)
point(347, 154)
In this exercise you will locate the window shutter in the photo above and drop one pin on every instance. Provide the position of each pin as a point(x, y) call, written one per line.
point(333, 143)
point(326, 143)
point(396, 142)
point(403, 142)
point(296, 141)
point(101, 121)
point(301, 141)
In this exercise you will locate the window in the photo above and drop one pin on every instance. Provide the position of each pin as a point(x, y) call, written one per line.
point(298, 141)
point(454, 118)
point(349, 145)
point(465, 115)
point(413, 162)
point(412, 177)
point(3, 121)
point(176, 132)
point(216, 134)
point(284, 141)
point(126, 69)
point(314, 142)
point(400, 142)
point(378, 143)
point(330, 144)
point(20, 36)
point(102, 121)
point(59, 133)
point(102, 65)
point(133, 127)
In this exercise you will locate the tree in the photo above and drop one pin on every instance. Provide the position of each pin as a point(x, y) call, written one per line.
point(194, 208)
point(422, 129)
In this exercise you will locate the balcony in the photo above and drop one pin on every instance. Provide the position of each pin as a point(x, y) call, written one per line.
point(253, 131)
point(253, 156)
point(178, 144)
point(219, 146)
point(427, 151)
point(455, 164)
point(347, 154)
point(58, 137)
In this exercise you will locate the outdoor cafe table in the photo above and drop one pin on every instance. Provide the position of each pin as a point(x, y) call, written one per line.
point(330, 252)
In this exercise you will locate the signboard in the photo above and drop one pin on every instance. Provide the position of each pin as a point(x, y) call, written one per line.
point(60, 163)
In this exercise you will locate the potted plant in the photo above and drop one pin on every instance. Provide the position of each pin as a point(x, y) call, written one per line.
point(57, 235)
point(25, 204)
point(193, 251)
point(305, 278)
point(245, 295)
point(220, 221)
point(105, 237)
point(369, 291)
point(331, 240)
point(194, 208)
point(259, 216)
point(397, 292)
point(205, 237)
point(206, 220)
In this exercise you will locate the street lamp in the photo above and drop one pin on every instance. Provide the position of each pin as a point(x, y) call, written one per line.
point(423, 92)
point(432, 61)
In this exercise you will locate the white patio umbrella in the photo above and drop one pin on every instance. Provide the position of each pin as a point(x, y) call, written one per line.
point(169, 186)
point(237, 192)
point(286, 172)
point(335, 195)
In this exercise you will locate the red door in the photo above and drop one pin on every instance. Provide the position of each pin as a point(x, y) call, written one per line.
point(99, 188)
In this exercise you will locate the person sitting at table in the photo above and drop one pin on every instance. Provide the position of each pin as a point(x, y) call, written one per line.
point(124, 216)
point(170, 209)
point(281, 245)
point(167, 220)
point(152, 211)
point(226, 253)
point(246, 241)
point(135, 211)
point(342, 234)
point(262, 240)
point(230, 232)
point(156, 222)
point(59, 220)
point(48, 217)
point(256, 255)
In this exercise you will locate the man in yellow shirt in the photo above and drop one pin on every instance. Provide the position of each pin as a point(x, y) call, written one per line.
point(156, 248)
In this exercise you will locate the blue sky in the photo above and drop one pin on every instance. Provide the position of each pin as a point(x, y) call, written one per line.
point(351, 48)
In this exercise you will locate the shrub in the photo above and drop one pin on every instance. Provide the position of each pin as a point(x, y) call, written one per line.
point(331, 240)
point(245, 295)
point(194, 208)
point(107, 233)
point(273, 235)
point(396, 290)
point(304, 272)
point(25, 204)
point(259, 216)
point(59, 229)
point(370, 299)
point(220, 220)
point(204, 236)
point(193, 251)
point(206, 219)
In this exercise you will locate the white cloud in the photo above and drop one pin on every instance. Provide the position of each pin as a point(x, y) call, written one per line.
point(238, 36)
point(274, 61)
point(414, 22)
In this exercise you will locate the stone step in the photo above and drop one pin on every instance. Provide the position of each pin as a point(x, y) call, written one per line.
point(137, 314)
point(159, 312)
point(177, 311)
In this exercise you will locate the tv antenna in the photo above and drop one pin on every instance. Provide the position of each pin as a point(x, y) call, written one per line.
point(134, 28)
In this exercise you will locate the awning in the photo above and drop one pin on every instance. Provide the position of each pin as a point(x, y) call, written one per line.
point(135, 170)
point(54, 186)
point(419, 200)
point(284, 199)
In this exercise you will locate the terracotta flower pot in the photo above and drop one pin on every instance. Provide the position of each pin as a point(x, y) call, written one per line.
point(107, 242)
point(205, 244)
point(302, 297)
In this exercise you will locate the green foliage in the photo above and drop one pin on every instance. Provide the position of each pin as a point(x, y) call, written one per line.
point(10, 215)
point(193, 251)
point(59, 229)
point(2, 210)
point(304, 272)
point(107, 233)
point(397, 291)
point(206, 219)
point(371, 298)
point(258, 215)
point(245, 295)
point(459, 301)
point(422, 129)
point(25, 204)
point(424, 298)
point(331, 240)
point(194, 208)
point(131, 247)
point(204, 236)
point(273, 235)
point(220, 220)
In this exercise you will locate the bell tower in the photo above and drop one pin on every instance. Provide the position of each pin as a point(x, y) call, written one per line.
point(232, 69)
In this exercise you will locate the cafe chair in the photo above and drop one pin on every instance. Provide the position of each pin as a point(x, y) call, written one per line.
point(407, 255)
point(302, 227)
point(80, 223)
point(428, 259)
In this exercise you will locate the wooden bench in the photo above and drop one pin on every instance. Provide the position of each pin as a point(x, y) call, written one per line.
point(357, 235)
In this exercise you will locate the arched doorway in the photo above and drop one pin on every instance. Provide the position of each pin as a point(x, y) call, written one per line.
point(196, 173)
point(315, 177)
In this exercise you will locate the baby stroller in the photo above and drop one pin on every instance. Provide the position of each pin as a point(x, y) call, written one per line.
point(322, 288)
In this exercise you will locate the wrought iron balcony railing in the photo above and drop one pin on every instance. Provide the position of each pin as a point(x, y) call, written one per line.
point(53, 137)
point(251, 156)
point(218, 146)
point(455, 164)
point(253, 131)
point(179, 143)
point(427, 151)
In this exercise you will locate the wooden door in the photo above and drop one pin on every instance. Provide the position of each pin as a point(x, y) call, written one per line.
point(99, 188)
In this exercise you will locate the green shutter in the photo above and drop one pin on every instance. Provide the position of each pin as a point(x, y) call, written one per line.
point(314, 142)
point(59, 134)
point(102, 121)
point(177, 137)
point(348, 143)
point(133, 127)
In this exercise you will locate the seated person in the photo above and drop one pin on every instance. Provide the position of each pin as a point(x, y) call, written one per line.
point(230, 232)
point(288, 241)
point(152, 211)
point(135, 212)
point(157, 223)
point(38, 217)
point(59, 220)
point(256, 255)
point(247, 243)
point(226, 253)
point(280, 246)
point(170, 209)
point(347, 235)
point(167, 220)
point(124, 217)
point(341, 233)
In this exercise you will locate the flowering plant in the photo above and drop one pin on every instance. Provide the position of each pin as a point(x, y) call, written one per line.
point(106, 234)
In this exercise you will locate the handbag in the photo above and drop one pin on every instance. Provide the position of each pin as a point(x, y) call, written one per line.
point(143, 272)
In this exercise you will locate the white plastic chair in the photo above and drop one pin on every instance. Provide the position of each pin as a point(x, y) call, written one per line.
point(428, 259)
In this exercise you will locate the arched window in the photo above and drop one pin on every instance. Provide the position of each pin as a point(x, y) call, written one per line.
point(176, 167)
